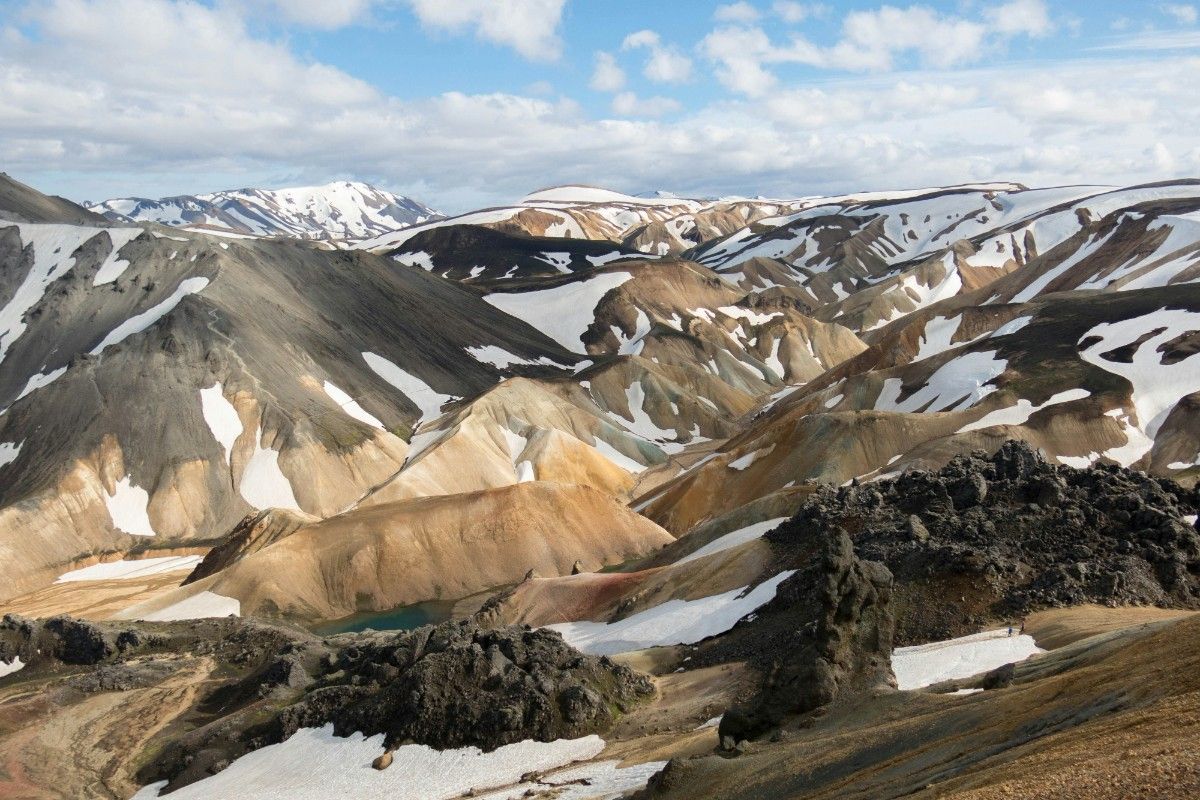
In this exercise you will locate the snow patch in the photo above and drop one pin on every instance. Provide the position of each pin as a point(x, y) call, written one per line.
point(127, 507)
point(954, 659)
point(349, 405)
point(130, 570)
point(734, 538)
point(314, 764)
point(201, 605)
point(563, 312)
point(420, 393)
point(221, 417)
point(9, 452)
point(673, 622)
point(263, 483)
point(8, 669)
point(140, 322)
point(959, 382)
point(1022, 411)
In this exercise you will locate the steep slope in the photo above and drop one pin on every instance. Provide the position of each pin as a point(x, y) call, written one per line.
point(386, 555)
point(340, 210)
point(21, 203)
point(162, 386)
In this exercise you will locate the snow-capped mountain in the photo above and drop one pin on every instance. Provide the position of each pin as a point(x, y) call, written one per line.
point(339, 210)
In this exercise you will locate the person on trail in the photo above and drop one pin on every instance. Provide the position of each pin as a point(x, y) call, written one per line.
point(1022, 627)
point(1010, 629)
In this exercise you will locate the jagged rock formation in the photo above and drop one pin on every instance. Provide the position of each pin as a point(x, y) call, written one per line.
point(839, 640)
point(449, 685)
point(1002, 535)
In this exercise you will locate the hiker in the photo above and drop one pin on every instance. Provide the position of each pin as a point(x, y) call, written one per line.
point(1022, 627)
point(1010, 629)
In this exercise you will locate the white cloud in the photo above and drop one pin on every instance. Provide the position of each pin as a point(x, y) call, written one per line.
point(628, 104)
point(1183, 13)
point(794, 13)
point(125, 96)
point(322, 14)
point(1020, 17)
point(528, 26)
point(607, 76)
point(666, 64)
point(736, 12)
point(871, 41)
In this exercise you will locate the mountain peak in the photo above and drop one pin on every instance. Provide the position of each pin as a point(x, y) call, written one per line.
point(337, 210)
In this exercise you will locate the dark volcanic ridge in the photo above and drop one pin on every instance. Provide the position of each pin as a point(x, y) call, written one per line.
point(445, 686)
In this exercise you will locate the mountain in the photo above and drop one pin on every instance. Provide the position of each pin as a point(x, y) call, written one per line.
point(802, 459)
point(335, 211)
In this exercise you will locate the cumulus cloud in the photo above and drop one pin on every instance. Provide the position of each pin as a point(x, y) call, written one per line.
point(736, 12)
point(1020, 17)
point(116, 94)
point(628, 104)
point(528, 26)
point(871, 40)
point(794, 13)
point(665, 64)
point(607, 75)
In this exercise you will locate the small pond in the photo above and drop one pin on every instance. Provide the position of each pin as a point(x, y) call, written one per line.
point(403, 618)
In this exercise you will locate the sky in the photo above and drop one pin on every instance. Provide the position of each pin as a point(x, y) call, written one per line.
point(467, 103)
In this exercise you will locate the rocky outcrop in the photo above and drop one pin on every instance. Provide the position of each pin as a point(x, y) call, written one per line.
point(450, 685)
point(1001, 535)
point(253, 533)
point(843, 641)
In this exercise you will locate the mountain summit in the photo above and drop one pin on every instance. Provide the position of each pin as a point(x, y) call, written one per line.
point(338, 210)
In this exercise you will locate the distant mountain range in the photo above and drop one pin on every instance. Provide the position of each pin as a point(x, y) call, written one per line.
point(339, 210)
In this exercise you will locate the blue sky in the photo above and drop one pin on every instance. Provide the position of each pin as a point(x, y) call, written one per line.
point(464, 103)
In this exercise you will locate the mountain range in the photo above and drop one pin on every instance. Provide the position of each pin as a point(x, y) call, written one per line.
point(742, 444)
point(334, 211)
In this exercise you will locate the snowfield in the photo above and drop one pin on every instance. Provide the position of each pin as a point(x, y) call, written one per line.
point(421, 394)
point(128, 508)
point(954, 659)
point(221, 417)
point(199, 606)
point(316, 765)
point(563, 312)
point(263, 483)
point(734, 538)
point(673, 622)
point(130, 570)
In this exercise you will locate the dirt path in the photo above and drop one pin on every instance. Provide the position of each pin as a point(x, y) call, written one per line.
point(61, 743)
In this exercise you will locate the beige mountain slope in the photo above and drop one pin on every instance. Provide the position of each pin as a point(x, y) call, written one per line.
point(393, 554)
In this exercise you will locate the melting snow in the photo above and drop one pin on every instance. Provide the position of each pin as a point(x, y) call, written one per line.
point(351, 406)
point(263, 483)
point(313, 764)
point(733, 539)
point(1022, 411)
point(128, 508)
point(743, 462)
point(199, 606)
point(113, 267)
point(416, 390)
point(222, 418)
point(563, 312)
point(560, 261)
point(140, 322)
point(1157, 387)
point(500, 358)
point(418, 259)
point(673, 622)
point(130, 570)
point(9, 452)
point(8, 669)
point(959, 381)
point(41, 379)
point(953, 659)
